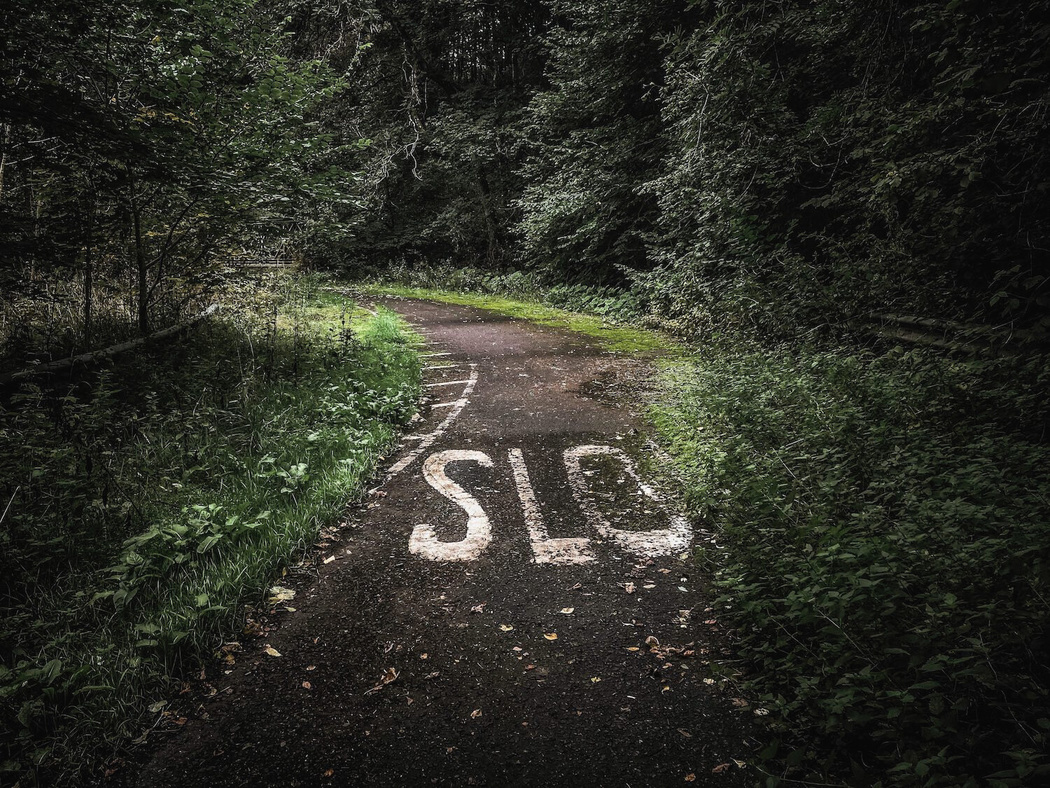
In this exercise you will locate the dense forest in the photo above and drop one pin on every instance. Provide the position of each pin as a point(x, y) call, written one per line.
point(779, 166)
point(860, 188)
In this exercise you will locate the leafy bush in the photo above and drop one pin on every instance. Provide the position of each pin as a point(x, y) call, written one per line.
point(886, 525)
point(149, 500)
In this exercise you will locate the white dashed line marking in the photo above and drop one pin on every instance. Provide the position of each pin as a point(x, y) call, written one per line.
point(428, 441)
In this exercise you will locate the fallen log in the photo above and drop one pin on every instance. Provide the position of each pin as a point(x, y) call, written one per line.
point(109, 352)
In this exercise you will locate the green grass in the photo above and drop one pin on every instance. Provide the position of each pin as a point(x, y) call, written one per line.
point(152, 500)
point(609, 334)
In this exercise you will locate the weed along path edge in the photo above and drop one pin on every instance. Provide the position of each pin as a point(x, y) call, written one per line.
point(515, 604)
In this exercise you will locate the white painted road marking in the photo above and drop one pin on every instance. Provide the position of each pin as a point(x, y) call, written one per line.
point(424, 541)
point(647, 544)
point(573, 550)
point(447, 383)
point(428, 441)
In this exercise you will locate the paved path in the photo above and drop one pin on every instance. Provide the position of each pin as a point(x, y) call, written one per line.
point(514, 607)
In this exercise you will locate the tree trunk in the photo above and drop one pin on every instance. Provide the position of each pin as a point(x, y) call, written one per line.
point(89, 271)
point(142, 270)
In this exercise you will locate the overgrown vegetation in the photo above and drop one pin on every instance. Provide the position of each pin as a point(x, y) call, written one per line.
point(886, 525)
point(147, 500)
point(769, 166)
point(143, 146)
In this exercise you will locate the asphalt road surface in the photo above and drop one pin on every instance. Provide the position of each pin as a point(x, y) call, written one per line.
point(514, 605)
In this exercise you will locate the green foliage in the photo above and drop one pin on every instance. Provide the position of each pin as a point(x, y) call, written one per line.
point(593, 140)
point(143, 143)
point(828, 160)
point(438, 89)
point(887, 554)
point(150, 501)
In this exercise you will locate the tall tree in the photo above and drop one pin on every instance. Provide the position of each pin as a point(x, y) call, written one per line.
point(594, 139)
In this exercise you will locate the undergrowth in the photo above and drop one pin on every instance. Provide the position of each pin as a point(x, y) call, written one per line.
point(145, 502)
point(886, 529)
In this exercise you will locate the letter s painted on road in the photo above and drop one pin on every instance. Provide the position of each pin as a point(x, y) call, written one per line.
point(424, 541)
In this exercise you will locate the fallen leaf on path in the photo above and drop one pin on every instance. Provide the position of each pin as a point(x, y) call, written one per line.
point(633, 648)
point(576, 587)
point(506, 627)
point(691, 777)
point(664, 571)
point(761, 712)
point(551, 635)
point(685, 733)
point(475, 714)
point(595, 679)
point(628, 587)
point(652, 641)
point(739, 702)
point(566, 610)
point(530, 667)
point(329, 559)
point(307, 685)
point(329, 772)
point(311, 667)
point(709, 681)
point(390, 675)
point(479, 608)
point(280, 594)
point(739, 764)
point(720, 768)
point(272, 651)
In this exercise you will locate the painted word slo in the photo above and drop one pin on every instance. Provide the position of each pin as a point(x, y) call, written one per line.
point(545, 550)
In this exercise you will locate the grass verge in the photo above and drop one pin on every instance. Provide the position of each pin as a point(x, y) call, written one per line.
point(146, 502)
point(611, 335)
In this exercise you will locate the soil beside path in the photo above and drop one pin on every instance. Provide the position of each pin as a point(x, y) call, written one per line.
point(511, 607)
